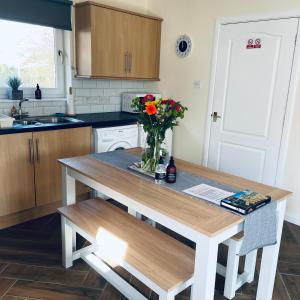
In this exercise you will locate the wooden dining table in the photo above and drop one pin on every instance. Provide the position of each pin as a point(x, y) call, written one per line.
point(203, 223)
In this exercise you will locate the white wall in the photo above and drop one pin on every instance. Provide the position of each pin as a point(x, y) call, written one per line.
point(197, 18)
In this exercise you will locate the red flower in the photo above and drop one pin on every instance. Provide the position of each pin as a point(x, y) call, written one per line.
point(143, 100)
point(148, 98)
point(178, 108)
point(164, 102)
point(172, 102)
point(151, 109)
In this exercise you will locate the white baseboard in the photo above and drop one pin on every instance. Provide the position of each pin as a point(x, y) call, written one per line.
point(292, 219)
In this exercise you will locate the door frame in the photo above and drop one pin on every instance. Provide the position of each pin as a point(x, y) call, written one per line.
point(294, 81)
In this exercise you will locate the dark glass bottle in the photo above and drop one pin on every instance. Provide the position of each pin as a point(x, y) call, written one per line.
point(171, 172)
point(38, 93)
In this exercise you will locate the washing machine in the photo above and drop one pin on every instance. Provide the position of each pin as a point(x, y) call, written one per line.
point(116, 138)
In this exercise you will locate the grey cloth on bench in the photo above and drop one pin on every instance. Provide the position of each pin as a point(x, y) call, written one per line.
point(259, 227)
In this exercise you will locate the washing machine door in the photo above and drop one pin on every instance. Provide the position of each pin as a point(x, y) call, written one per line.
point(119, 146)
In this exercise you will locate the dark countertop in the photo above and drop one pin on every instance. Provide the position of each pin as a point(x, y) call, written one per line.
point(96, 120)
point(100, 120)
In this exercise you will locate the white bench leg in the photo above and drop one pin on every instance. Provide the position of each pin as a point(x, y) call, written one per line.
point(67, 243)
point(134, 213)
point(74, 240)
point(250, 264)
point(231, 270)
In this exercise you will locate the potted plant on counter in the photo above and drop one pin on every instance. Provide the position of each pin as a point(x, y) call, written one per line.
point(14, 83)
point(156, 116)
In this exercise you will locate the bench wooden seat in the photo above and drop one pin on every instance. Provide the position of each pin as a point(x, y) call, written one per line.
point(238, 237)
point(162, 260)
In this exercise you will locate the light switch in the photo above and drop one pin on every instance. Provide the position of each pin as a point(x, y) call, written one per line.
point(197, 84)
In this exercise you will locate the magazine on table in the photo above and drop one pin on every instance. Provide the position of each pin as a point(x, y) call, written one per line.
point(243, 202)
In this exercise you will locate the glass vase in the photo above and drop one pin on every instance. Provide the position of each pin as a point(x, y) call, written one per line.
point(151, 155)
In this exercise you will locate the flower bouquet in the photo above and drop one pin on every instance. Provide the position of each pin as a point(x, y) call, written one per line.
point(156, 116)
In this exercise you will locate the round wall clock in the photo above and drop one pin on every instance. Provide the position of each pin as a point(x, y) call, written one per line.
point(183, 46)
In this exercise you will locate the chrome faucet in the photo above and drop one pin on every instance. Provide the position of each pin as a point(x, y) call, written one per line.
point(20, 108)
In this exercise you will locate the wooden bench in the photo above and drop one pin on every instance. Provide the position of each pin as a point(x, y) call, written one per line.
point(162, 263)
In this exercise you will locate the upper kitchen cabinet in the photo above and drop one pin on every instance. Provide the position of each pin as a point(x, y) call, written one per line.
point(143, 47)
point(114, 43)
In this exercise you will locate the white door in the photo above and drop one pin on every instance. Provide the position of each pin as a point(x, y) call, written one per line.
point(254, 62)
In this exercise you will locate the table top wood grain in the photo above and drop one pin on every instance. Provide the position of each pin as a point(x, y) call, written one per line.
point(203, 217)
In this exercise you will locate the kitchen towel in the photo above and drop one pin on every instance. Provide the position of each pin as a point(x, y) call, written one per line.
point(259, 226)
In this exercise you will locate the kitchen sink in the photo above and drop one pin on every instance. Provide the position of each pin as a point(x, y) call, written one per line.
point(40, 121)
point(24, 122)
point(55, 120)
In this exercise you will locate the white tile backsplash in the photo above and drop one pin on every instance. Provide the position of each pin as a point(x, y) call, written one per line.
point(90, 96)
point(89, 83)
point(82, 92)
point(97, 108)
point(97, 92)
point(35, 107)
point(115, 84)
point(82, 109)
point(102, 95)
point(101, 84)
point(130, 84)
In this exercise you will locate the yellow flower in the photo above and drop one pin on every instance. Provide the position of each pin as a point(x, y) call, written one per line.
point(152, 102)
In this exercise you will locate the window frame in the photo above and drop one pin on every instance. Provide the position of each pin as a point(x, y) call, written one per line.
point(49, 93)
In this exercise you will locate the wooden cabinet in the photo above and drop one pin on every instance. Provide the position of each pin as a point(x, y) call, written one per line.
point(30, 175)
point(109, 44)
point(16, 173)
point(49, 147)
point(143, 47)
point(114, 43)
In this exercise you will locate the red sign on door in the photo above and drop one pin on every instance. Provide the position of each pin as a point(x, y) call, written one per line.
point(253, 44)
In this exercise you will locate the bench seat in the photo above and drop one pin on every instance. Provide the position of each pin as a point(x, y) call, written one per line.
point(163, 260)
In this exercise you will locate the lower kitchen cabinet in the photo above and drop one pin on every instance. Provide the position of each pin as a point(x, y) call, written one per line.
point(49, 147)
point(30, 175)
point(16, 173)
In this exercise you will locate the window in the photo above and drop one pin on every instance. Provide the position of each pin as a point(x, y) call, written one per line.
point(31, 52)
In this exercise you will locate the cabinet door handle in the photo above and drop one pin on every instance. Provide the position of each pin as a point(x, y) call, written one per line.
point(37, 150)
point(126, 62)
point(31, 158)
point(130, 62)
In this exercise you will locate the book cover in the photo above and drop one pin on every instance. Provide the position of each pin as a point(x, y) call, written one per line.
point(245, 202)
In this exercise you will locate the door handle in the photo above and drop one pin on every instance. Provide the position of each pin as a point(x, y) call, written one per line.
point(31, 158)
point(37, 150)
point(215, 116)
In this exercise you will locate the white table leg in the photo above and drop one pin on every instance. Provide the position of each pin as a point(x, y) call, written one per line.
point(68, 236)
point(68, 188)
point(269, 260)
point(205, 269)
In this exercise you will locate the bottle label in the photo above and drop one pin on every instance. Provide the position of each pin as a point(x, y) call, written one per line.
point(171, 177)
point(160, 176)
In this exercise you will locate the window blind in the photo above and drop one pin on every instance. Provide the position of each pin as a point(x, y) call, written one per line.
point(51, 13)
